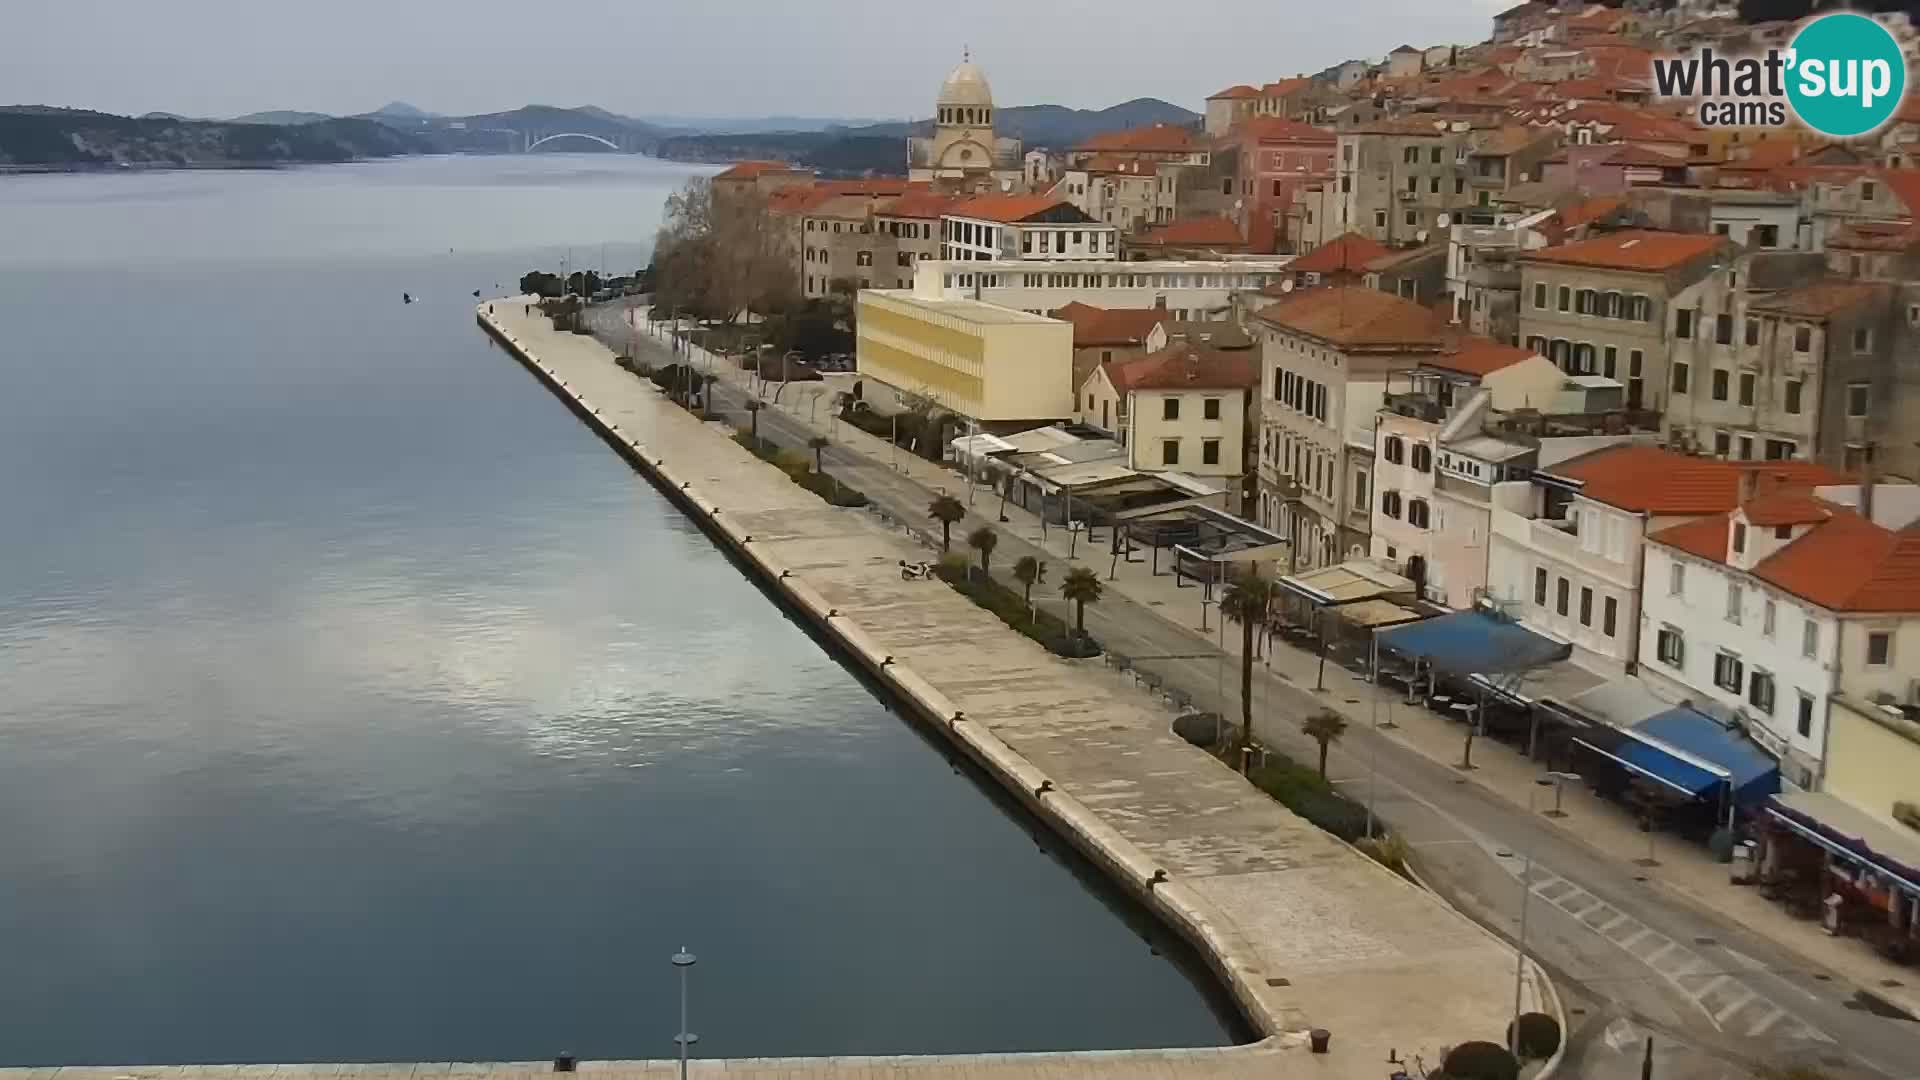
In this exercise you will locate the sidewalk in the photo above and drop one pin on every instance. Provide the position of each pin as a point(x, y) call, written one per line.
point(1684, 869)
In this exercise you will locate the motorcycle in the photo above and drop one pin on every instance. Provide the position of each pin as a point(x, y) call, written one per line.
point(919, 571)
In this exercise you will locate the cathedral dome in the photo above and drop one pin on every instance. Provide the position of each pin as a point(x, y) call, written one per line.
point(966, 85)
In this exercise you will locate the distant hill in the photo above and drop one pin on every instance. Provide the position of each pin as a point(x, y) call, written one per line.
point(739, 125)
point(278, 116)
point(161, 116)
point(54, 138)
point(400, 110)
point(881, 148)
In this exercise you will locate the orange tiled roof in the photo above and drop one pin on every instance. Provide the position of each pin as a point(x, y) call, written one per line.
point(1281, 129)
point(1094, 326)
point(1199, 231)
point(749, 170)
point(1152, 139)
point(1471, 354)
point(1905, 185)
point(1185, 367)
point(1282, 87)
point(1352, 316)
point(1874, 236)
point(1348, 251)
point(917, 204)
point(1653, 480)
point(1843, 562)
point(1821, 299)
point(1240, 91)
point(1633, 249)
point(1006, 208)
point(1113, 163)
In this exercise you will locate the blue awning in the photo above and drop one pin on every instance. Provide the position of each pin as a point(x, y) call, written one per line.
point(1467, 643)
point(1691, 753)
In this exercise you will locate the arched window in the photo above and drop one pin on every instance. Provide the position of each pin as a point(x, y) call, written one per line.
point(1417, 513)
point(1422, 457)
point(1396, 451)
point(1390, 503)
point(1582, 359)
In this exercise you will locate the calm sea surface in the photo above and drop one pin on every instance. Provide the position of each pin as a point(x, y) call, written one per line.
point(357, 704)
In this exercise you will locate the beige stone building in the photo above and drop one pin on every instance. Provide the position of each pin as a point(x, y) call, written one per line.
point(1185, 408)
point(981, 362)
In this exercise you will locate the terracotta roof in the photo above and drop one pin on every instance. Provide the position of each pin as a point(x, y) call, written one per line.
point(1240, 91)
point(1471, 354)
point(1153, 139)
point(1821, 299)
point(1528, 8)
point(1283, 87)
point(1504, 140)
point(917, 204)
point(1114, 163)
point(1093, 326)
point(1281, 129)
point(1404, 49)
point(1401, 256)
point(1356, 317)
point(749, 170)
point(1633, 249)
point(1644, 157)
point(1185, 367)
point(1198, 231)
point(1007, 208)
point(1874, 236)
point(1905, 185)
point(1653, 480)
point(1348, 251)
point(874, 185)
point(1209, 333)
point(1843, 562)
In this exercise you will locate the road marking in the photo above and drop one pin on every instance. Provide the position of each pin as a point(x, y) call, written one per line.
point(1709, 987)
point(1615, 923)
point(1588, 910)
point(1759, 1027)
point(1632, 941)
point(1746, 997)
point(1657, 953)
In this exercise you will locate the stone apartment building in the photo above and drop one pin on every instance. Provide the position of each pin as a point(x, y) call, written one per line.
point(1610, 305)
point(1393, 179)
point(1183, 408)
point(1866, 196)
point(912, 224)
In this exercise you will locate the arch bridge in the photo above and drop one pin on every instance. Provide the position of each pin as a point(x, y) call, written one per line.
point(545, 139)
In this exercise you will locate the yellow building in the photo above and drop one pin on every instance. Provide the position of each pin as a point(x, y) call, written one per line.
point(980, 361)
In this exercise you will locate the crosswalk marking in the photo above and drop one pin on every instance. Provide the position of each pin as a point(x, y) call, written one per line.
point(1759, 1027)
point(1738, 1003)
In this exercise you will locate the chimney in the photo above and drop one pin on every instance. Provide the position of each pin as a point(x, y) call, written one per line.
point(1749, 486)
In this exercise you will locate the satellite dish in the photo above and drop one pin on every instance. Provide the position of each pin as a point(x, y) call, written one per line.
point(1443, 220)
point(1420, 237)
point(1286, 286)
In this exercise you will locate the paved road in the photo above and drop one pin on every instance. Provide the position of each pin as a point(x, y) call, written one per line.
point(1632, 961)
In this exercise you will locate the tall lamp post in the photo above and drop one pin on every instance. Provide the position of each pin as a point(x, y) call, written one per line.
point(1526, 892)
point(683, 960)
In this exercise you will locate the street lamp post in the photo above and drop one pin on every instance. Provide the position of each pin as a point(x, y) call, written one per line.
point(1526, 893)
point(683, 960)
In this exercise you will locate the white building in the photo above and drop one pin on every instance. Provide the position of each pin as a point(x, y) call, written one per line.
point(1182, 408)
point(1776, 607)
point(1188, 290)
point(1018, 227)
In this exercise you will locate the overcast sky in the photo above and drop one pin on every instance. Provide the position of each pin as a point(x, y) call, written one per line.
point(222, 58)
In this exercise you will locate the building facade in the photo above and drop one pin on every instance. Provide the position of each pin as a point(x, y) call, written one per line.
point(979, 361)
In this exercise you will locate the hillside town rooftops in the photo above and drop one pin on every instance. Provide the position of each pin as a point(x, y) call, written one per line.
point(1633, 249)
point(1239, 92)
point(1198, 232)
point(1096, 326)
point(1842, 562)
point(1159, 138)
point(1348, 251)
point(1821, 299)
point(1010, 209)
point(1655, 480)
point(1183, 366)
point(1354, 317)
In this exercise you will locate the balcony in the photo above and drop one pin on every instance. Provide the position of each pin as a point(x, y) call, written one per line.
point(1417, 406)
point(1495, 275)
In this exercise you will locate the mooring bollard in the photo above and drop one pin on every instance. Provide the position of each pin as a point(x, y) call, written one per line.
point(1319, 1037)
point(563, 1062)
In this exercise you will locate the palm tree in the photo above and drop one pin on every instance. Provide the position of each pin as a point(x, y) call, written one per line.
point(1246, 602)
point(946, 510)
point(1026, 571)
point(753, 412)
point(1325, 728)
point(983, 540)
point(1081, 587)
point(817, 444)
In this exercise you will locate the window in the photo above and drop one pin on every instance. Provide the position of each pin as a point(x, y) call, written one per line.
point(1682, 323)
point(1722, 444)
point(1539, 586)
point(1879, 648)
point(1640, 308)
point(1866, 191)
point(1857, 399)
point(1739, 538)
point(1765, 236)
point(1379, 219)
point(1610, 362)
point(1170, 409)
point(1768, 611)
point(1728, 672)
point(1360, 491)
point(1802, 339)
point(1435, 158)
point(1422, 458)
point(1760, 692)
point(1560, 591)
point(1719, 385)
point(1433, 186)
point(1792, 403)
point(1723, 329)
point(1746, 388)
point(1863, 340)
point(1210, 451)
point(1390, 503)
point(1396, 451)
point(1566, 297)
point(1804, 721)
point(1672, 648)
point(1540, 295)
point(1676, 579)
point(1410, 155)
point(1583, 302)
point(1733, 602)
point(1610, 617)
point(1417, 513)
point(1809, 638)
point(1459, 186)
point(1679, 378)
point(1346, 185)
point(1210, 408)
point(1753, 331)
point(1586, 606)
point(1413, 217)
point(1170, 451)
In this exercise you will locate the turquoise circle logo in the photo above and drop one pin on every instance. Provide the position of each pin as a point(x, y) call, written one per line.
point(1847, 77)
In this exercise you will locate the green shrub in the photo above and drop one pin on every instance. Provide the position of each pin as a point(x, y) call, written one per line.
point(1390, 850)
point(1539, 1036)
point(1480, 1061)
point(1053, 634)
point(1304, 791)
